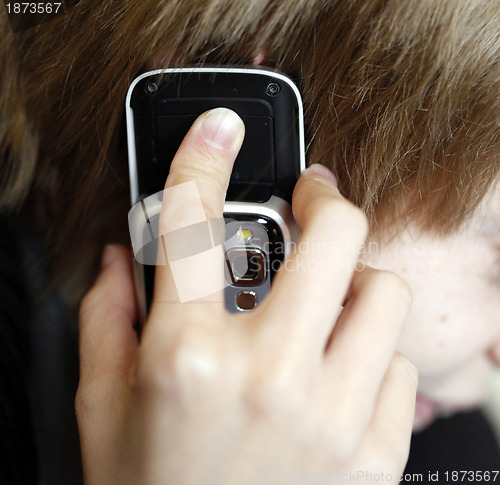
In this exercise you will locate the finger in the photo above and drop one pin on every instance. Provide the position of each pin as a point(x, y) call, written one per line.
point(194, 195)
point(108, 345)
point(364, 340)
point(313, 281)
point(207, 155)
point(106, 325)
point(387, 442)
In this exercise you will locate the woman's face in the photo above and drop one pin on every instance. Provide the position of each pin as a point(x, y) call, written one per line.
point(453, 330)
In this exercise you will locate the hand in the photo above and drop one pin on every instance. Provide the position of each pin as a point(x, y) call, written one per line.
point(307, 384)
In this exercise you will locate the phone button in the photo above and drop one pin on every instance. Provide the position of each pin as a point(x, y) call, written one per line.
point(246, 300)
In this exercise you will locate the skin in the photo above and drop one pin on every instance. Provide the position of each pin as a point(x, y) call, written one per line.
point(262, 397)
point(452, 332)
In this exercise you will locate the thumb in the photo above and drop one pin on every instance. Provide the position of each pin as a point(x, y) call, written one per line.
point(107, 317)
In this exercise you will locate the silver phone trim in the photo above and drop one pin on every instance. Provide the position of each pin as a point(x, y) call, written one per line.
point(275, 208)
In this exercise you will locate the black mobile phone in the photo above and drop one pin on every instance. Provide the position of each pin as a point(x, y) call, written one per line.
point(259, 229)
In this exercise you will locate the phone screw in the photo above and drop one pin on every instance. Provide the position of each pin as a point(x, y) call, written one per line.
point(151, 88)
point(273, 89)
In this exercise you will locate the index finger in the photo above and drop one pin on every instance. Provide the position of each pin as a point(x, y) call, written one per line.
point(194, 195)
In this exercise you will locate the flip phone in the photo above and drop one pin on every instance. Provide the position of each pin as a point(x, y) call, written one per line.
point(259, 228)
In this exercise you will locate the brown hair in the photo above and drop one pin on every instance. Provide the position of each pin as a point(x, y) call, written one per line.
point(401, 101)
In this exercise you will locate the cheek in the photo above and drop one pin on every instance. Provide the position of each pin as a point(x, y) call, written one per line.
point(454, 315)
point(452, 323)
point(446, 328)
point(462, 389)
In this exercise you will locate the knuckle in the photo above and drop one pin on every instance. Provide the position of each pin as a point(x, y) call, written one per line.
point(317, 206)
point(277, 395)
point(188, 364)
point(209, 153)
point(389, 294)
point(186, 203)
point(340, 213)
point(152, 377)
point(205, 171)
point(394, 287)
point(205, 163)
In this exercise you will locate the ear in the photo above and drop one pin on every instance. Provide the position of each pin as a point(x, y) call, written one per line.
point(495, 351)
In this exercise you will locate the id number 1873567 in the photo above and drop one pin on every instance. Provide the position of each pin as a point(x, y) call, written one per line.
point(32, 7)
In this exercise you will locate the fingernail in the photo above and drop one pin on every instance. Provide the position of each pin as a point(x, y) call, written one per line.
point(221, 127)
point(109, 254)
point(322, 171)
